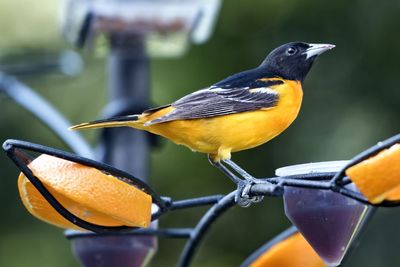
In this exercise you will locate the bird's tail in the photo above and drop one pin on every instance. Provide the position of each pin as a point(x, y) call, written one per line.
point(130, 120)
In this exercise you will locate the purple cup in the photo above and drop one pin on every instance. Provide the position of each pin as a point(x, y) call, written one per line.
point(328, 220)
point(105, 250)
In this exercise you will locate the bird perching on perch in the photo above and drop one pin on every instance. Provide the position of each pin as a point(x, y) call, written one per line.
point(240, 112)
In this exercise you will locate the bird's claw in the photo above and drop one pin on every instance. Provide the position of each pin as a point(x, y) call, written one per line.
point(243, 198)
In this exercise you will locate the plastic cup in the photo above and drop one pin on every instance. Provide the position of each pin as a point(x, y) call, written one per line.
point(329, 221)
point(122, 250)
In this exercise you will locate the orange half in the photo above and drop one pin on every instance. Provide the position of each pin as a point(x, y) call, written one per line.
point(378, 178)
point(86, 192)
point(291, 252)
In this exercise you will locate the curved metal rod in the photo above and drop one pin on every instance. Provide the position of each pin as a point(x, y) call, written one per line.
point(195, 202)
point(45, 112)
point(199, 231)
point(166, 233)
point(275, 187)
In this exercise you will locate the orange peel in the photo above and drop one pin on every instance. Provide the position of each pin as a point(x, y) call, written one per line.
point(86, 192)
point(378, 177)
point(293, 251)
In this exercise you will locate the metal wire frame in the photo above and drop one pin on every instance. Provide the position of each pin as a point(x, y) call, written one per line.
point(273, 186)
point(270, 187)
point(15, 150)
point(203, 226)
point(330, 181)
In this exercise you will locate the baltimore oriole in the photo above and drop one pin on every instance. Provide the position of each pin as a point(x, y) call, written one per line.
point(240, 112)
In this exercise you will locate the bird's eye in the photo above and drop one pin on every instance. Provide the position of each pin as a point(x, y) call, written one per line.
point(291, 51)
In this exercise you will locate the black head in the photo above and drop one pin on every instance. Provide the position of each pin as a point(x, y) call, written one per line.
point(293, 60)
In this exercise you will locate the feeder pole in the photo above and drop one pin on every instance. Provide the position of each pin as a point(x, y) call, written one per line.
point(128, 90)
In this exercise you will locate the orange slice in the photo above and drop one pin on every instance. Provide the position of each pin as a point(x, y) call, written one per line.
point(86, 192)
point(378, 178)
point(293, 251)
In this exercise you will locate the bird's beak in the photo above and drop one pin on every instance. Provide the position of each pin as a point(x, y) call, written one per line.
point(317, 49)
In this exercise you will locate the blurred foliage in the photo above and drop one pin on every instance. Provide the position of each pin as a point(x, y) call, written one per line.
point(351, 101)
point(28, 24)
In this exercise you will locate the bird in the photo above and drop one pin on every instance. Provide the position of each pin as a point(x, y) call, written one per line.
point(240, 112)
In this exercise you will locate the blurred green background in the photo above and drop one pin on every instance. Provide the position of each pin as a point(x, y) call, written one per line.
point(351, 101)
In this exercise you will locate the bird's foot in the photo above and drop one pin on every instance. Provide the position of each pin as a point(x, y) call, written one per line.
point(242, 197)
point(245, 175)
point(244, 182)
point(225, 170)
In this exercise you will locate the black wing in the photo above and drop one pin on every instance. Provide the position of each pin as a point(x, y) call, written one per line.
point(241, 92)
point(216, 101)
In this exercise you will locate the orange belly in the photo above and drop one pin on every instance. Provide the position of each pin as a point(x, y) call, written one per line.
point(223, 134)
